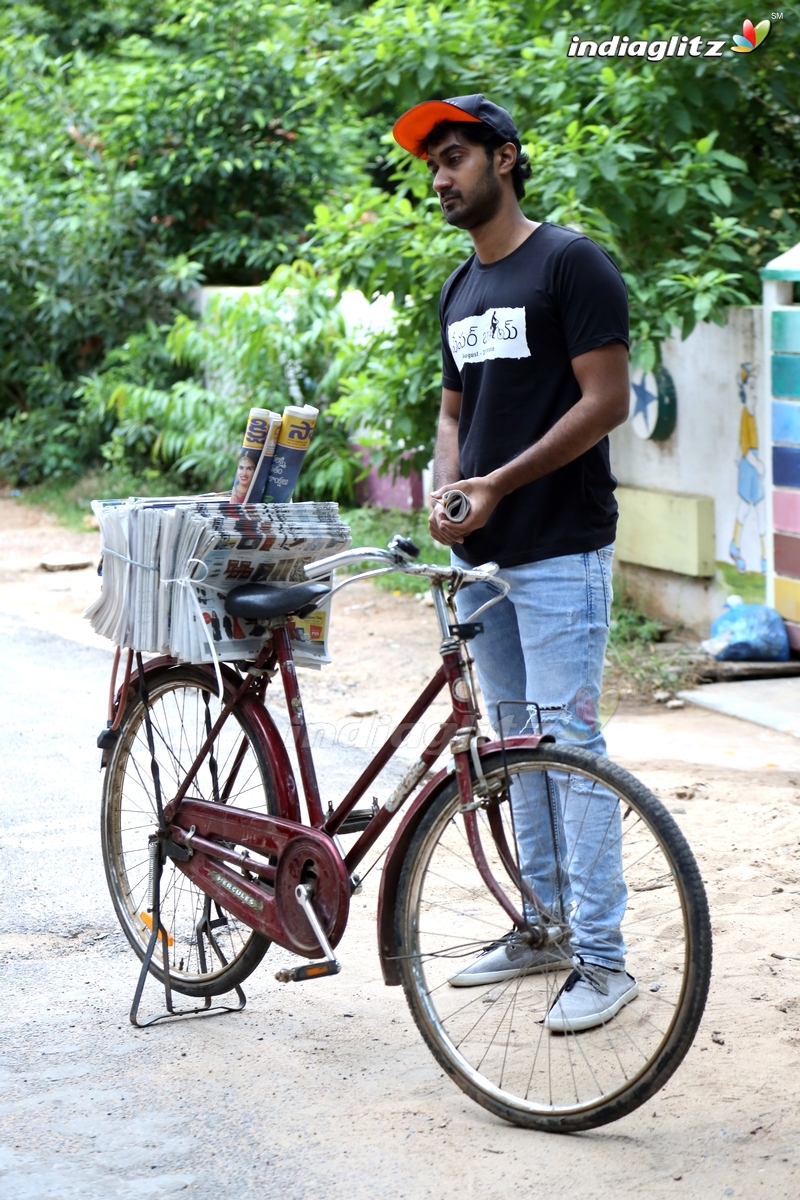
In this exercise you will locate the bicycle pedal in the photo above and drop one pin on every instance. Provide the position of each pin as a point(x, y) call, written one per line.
point(314, 970)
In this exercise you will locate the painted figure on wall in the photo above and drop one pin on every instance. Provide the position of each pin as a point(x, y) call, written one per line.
point(751, 471)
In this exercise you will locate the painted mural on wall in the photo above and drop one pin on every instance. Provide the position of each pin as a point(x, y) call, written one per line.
point(653, 405)
point(718, 376)
point(751, 503)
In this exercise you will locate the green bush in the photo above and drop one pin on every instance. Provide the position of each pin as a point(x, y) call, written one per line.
point(375, 526)
point(647, 158)
point(279, 345)
point(146, 145)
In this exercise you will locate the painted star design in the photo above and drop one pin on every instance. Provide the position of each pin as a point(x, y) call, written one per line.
point(643, 398)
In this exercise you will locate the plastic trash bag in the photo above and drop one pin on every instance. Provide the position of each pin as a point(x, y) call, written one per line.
point(749, 633)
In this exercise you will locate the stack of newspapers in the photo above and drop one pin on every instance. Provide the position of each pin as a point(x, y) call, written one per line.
point(168, 564)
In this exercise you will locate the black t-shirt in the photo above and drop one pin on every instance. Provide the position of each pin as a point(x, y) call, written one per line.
point(509, 331)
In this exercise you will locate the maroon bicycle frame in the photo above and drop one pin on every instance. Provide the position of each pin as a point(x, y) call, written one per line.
point(277, 847)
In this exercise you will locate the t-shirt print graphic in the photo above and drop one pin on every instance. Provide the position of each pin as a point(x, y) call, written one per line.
point(498, 333)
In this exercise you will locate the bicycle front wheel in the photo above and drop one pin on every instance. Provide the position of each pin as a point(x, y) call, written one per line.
point(491, 1037)
point(209, 950)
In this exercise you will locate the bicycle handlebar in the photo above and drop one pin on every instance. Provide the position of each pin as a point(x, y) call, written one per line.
point(396, 560)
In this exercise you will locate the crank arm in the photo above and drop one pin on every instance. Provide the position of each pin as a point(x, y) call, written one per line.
point(329, 965)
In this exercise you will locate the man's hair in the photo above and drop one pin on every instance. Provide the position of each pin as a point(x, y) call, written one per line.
point(481, 135)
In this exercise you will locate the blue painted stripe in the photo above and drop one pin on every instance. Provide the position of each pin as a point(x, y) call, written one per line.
point(786, 466)
point(786, 375)
point(786, 422)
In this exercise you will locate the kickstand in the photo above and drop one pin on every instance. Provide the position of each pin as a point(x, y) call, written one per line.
point(160, 847)
point(159, 933)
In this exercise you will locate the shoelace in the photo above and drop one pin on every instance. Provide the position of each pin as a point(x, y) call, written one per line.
point(507, 937)
point(586, 974)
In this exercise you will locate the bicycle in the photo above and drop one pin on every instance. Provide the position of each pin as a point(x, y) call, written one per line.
point(209, 861)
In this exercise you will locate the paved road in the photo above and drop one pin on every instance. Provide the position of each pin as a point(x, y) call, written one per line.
point(323, 1089)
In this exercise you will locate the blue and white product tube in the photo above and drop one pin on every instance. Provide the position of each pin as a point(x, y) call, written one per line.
point(259, 481)
point(255, 435)
point(297, 426)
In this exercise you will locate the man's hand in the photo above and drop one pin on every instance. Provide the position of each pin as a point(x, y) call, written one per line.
point(484, 497)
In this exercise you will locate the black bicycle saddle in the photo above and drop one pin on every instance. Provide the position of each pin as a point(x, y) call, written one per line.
point(264, 601)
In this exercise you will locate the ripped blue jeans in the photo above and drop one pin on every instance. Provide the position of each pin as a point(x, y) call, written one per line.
point(545, 643)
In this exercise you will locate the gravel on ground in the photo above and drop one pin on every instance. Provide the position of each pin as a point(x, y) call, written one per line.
point(325, 1089)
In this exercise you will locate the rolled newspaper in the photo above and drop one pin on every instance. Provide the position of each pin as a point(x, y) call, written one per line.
point(259, 483)
point(255, 435)
point(297, 426)
point(456, 504)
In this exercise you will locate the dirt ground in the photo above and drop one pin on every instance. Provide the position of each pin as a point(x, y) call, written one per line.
point(727, 1123)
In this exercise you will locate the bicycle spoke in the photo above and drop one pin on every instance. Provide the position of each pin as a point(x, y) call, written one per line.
point(613, 866)
point(180, 722)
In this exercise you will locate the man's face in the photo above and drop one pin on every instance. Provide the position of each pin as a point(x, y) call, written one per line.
point(465, 181)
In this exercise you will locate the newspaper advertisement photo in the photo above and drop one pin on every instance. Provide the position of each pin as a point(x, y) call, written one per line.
point(255, 456)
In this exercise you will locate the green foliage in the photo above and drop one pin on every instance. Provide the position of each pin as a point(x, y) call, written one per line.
point(148, 144)
point(210, 109)
point(392, 385)
point(647, 158)
point(78, 267)
point(637, 661)
point(139, 139)
point(750, 585)
point(277, 345)
point(630, 626)
point(70, 499)
point(375, 526)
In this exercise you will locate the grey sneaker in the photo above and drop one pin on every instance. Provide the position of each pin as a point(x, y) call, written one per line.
point(591, 996)
point(508, 958)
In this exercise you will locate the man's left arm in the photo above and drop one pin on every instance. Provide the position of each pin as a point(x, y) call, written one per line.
point(602, 375)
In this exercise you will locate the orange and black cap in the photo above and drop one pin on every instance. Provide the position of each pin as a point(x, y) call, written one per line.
point(411, 130)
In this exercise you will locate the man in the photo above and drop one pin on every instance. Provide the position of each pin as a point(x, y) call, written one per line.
point(535, 375)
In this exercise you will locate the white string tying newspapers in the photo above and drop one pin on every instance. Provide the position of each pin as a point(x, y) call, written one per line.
point(184, 581)
point(187, 581)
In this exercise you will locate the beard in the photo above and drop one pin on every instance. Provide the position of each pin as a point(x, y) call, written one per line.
point(478, 207)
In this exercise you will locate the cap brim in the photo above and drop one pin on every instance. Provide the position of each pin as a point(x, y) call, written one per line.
point(415, 125)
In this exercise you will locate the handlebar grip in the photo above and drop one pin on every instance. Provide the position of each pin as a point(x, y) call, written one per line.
point(404, 545)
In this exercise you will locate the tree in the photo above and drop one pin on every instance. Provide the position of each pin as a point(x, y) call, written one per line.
point(149, 143)
point(648, 159)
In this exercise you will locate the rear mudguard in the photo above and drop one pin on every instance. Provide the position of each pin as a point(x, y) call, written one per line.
point(285, 786)
point(390, 879)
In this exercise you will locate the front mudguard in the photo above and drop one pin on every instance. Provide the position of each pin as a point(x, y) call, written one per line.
point(390, 879)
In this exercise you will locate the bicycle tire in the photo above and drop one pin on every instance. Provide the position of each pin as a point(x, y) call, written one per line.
point(178, 707)
point(672, 958)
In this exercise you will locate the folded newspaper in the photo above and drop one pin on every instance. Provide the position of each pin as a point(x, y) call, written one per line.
point(168, 564)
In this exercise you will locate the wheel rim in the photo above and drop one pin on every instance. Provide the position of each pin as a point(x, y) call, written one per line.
point(490, 1036)
point(180, 716)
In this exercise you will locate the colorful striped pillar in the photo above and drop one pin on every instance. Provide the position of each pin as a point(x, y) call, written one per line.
point(782, 343)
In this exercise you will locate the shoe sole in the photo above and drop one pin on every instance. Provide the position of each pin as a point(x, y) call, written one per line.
point(563, 1025)
point(475, 980)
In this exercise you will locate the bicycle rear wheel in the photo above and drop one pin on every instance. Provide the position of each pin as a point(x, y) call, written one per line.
point(209, 950)
point(491, 1038)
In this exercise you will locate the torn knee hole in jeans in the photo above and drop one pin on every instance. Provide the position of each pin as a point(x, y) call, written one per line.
point(548, 714)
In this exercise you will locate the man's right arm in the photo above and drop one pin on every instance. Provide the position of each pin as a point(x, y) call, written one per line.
point(446, 466)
